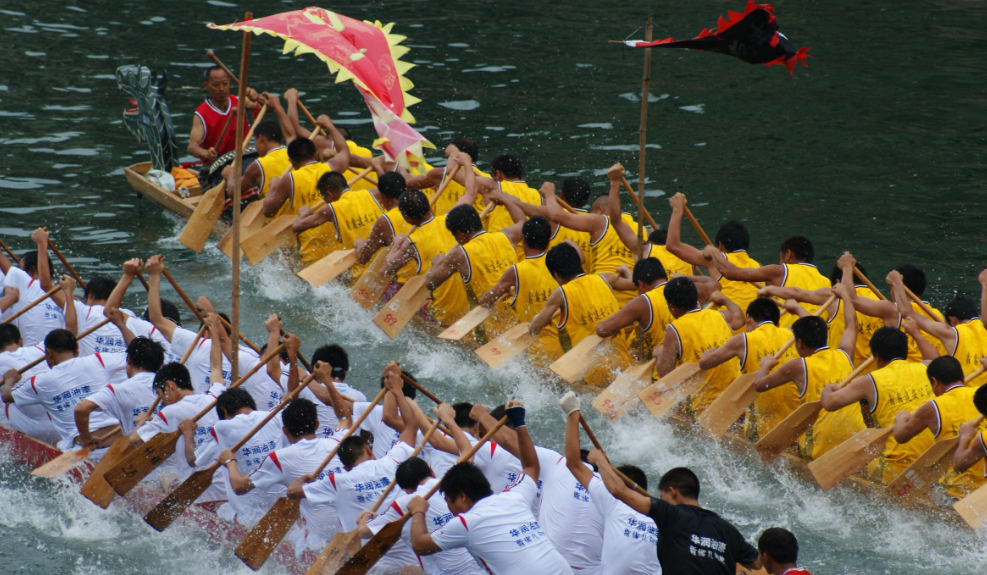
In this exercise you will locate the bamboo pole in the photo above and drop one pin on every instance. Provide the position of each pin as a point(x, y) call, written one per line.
point(237, 181)
point(648, 29)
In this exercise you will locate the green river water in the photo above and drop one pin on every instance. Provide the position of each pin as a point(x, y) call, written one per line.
point(877, 148)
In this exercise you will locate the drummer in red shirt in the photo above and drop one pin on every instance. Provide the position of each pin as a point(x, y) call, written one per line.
point(212, 114)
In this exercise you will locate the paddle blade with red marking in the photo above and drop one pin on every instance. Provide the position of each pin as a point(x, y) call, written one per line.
point(96, 489)
point(506, 345)
point(258, 545)
point(397, 312)
point(367, 290)
point(669, 391)
point(620, 395)
point(852, 455)
point(728, 406)
point(923, 473)
point(172, 506)
point(577, 361)
point(141, 461)
point(62, 464)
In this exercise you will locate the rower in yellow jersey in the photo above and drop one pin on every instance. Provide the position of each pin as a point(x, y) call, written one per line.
point(963, 335)
point(952, 407)
point(732, 242)
point(762, 338)
point(583, 300)
point(271, 164)
point(533, 284)
point(897, 385)
point(692, 332)
point(972, 447)
point(507, 173)
point(454, 190)
point(818, 365)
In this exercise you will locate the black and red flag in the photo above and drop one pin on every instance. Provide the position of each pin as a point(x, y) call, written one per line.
point(752, 36)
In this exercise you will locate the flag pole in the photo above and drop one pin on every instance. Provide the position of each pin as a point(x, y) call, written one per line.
point(237, 176)
point(648, 30)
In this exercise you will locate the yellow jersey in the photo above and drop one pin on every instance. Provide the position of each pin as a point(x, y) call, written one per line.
point(273, 165)
point(698, 331)
point(581, 239)
point(453, 193)
point(349, 174)
point(740, 293)
point(499, 218)
point(396, 222)
point(900, 386)
point(488, 256)
point(432, 238)
point(971, 345)
point(774, 405)
point(316, 243)
point(588, 300)
point(532, 287)
point(831, 428)
point(669, 261)
point(954, 408)
point(609, 253)
point(937, 316)
point(804, 276)
point(866, 326)
point(653, 329)
point(353, 215)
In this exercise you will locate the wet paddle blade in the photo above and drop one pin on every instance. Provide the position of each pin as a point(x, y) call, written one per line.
point(273, 236)
point(397, 312)
point(62, 464)
point(203, 219)
point(466, 324)
point(368, 555)
point(850, 456)
point(973, 507)
point(329, 267)
point(258, 545)
point(372, 284)
point(577, 361)
point(788, 430)
point(176, 502)
point(728, 406)
point(666, 393)
point(342, 547)
point(619, 395)
point(96, 489)
point(923, 473)
point(252, 220)
point(507, 345)
point(141, 461)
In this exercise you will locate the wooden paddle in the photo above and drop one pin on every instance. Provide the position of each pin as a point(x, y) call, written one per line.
point(198, 314)
point(204, 218)
point(152, 453)
point(69, 459)
point(789, 429)
point(911, 295)
point(633, 194)
point(577, 361)
point(344, 545)
point(258, 545)
point(613, 401)
point(380, 543)
point(252, 220)
point(176, 502)
point(66, 263)
point(849, 456)
point(10, 252)
point(973, 507)
point(24, 309)
point(372, 284)
point(405, 304)
point(507, 345)
point(740, 394)
point(596, 443)
point(329, 267)
point(473, 318)
point(666, 393)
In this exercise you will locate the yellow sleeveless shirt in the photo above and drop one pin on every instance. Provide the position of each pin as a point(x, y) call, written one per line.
point(698, 331)
point(453, 193)
point(670, 261)
point(804, 276)
point(588, 300)
point(499, 218)
point(581, 239)
point(653, 331)
point(774, 405)
point(866, 326)
point(609, 253)
point(354, 214)
point(740, 293)
point(831, 428)
point(449, 301)
point(349, 174)
point(954, 408)
point(901, 386)
point(273, 165)
point(971, 345)
point(488, 256)
point(937, 316)
point(532, 287)
point(318, 242)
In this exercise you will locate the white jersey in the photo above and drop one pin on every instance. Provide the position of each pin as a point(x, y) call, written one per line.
point(499, 467)
point(629, 538)
point(502, 534)
point(198, 362)
point(250, 507)
point(318, 520)
point(126, 401)
point(167, 420)
point(452, 562)
point(63, 386)
point(37, 322)
point(30, 419)
point(266, 392)
point(142, 328)
point(440, 461)
point(106, 339)
point(568, 516)
point(385, 437)
point(327, 415)
point(359, 488)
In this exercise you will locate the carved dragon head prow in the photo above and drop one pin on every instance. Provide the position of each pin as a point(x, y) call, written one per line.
point(148, 117)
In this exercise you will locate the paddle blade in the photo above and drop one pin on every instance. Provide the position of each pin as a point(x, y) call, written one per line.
point(397, 312)
point(251, 221)
point(619, 395)
point(340, 550)
point(203, 219)
point(372, 284)
point(329, 267)
point(368, 555)
point(923, 473)
point(728, 406)
point(973, 507)
point(96, 489)
point(507, 345)
point(851, 455)
point(466, 324)
point(669, 391)
point(141, 461)
point(273, 236)
point(172, 506)
point(788, 430)
point(258, 545)
point(62, 464)
point(577, 361)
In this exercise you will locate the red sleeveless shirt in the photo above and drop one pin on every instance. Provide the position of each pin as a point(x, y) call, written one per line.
point(213, 120)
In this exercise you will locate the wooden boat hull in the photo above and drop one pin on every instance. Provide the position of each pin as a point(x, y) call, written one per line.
point(170, 201)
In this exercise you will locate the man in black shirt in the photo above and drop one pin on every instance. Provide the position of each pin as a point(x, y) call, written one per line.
point(691, 540)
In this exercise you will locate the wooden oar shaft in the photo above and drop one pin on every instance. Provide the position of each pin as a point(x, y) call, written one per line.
point(257, 119)
point(226, 126)
point(925, 307)
point(466, 456)
point(191, 348)
point(263, 361)
point(9, 251)
point(24, 310)
point(860, 275)
point(633, 194)
point(212, 55)
point(198, 314)
point(418, 450)
point(308, 114)
point(974, 374)
point(349, 432)
point(78, 337)
point(857, 371)
point(362, 174)
point(419, 387)
point(66, 263)
point(143, 281)
point(596, 443)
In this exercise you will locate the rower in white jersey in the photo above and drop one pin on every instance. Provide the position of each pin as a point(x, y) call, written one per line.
point(385, 421)
point(32, 420)
point(29, 278)
point(266, 389)
point(500, 531)
point(140, 326)
point(70, 380)
point(365, 478)
point(318, 522)
point(629, 538)
point(90, 312)
point(238, 415)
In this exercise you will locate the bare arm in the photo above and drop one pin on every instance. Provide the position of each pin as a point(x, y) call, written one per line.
point(969, 450)
point(729, 350)
point(71, 317)
point(773, 274)
point(595, 224)
point(277, 196)
point(503, 285)
point(940, 330)
point(673, 242)
point(82, 411)
point(167, 327)
point(616, 486)
point(307, 220)
point(395, 386)
point(341, 160)
point(834, 397)
point(791, 370)
point(380, 236)
point(273, 325)
point(928, 351)
point(454, 261)
point(572, 459)
point(908, 425)
point(545, 315)
point(668, 353)
point(814, 297)
point(131, 268)
point(731, 311)
point(848, 341)
point(636, 310)
point(195, 138)
point(505, 436)
point(118, 319)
